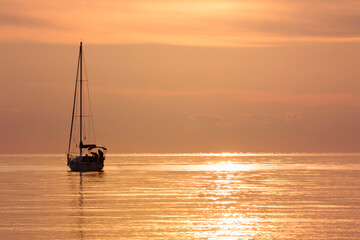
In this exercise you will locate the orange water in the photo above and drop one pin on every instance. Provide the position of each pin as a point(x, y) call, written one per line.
point(182, 197)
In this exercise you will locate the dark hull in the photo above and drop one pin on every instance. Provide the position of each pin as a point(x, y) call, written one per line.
point(85, 164)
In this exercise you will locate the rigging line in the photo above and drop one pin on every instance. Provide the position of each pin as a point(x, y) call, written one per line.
point(76, 133)
point(81, 97)
point(73, 138)
point(73, 111)
point(85, 125)
point(91, 114)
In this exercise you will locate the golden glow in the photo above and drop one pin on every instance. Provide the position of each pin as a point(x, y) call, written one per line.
point(234, 226)
point(224, 154)
point(230, 226)
point(225, 221)
point(197, 23)
point(227, 166)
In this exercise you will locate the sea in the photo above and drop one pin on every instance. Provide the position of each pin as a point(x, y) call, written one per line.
point(182, 196)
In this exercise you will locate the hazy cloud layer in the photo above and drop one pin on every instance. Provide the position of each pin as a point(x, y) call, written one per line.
point(243, 96)
point(203, 23)
point(235, 120)
point(157, 98)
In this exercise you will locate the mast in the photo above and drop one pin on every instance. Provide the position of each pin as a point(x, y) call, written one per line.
point(81, 99)
point(74, 104)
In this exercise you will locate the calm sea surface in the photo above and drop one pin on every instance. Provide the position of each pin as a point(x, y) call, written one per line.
point(182, 197)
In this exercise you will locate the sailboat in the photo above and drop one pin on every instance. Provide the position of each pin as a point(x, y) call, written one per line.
point(83, 154)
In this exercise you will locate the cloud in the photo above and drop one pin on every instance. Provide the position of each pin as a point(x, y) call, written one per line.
point(244, 96)
point(23, 21)
point(290, 116)
point(7, 110)
point(226, 23)
point(238, 119)
point(154, 92)
point(299, 19)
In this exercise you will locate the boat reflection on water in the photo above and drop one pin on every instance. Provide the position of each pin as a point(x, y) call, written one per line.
point(80, 208)
point(81, 183)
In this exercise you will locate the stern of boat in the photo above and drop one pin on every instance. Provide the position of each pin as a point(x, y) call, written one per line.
point(85, 163)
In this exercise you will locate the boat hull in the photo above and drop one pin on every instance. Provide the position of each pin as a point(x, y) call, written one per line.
point(85, 164)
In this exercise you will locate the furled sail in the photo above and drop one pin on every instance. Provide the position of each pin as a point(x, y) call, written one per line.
point(91, 146)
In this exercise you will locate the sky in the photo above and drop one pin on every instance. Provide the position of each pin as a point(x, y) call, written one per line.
point(183, 76)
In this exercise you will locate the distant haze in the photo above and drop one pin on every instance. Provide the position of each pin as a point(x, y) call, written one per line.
point(195, 76)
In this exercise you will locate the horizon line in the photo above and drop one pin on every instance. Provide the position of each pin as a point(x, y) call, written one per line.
point(204, 154)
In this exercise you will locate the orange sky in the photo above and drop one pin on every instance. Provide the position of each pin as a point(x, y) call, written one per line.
point(197, 23)
point(183, 76)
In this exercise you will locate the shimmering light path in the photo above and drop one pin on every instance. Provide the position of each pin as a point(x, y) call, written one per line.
point(211, 196)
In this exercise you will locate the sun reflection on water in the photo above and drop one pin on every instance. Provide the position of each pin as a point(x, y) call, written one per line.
point(226, 215)
point(227, 166)
point(231, 226)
